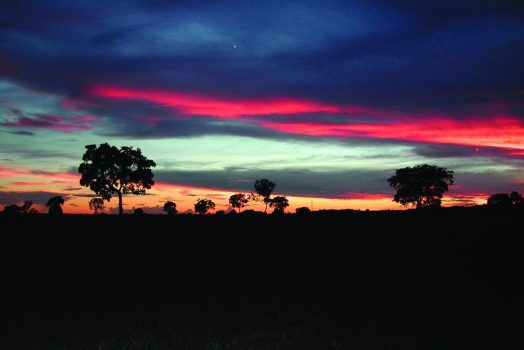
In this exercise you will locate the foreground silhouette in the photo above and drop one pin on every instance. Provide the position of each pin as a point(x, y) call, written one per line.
point(323, 281)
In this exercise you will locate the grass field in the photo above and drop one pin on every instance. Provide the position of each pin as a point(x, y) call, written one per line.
point(446, 279)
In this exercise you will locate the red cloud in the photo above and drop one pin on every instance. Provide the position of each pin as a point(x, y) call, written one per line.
point(500, 132)
point(63, 124)
point(191, 104)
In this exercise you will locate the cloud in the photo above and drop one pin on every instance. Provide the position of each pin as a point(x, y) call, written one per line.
point(62, 124)
point(23, 133)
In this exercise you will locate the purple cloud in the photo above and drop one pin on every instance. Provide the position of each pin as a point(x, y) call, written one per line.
point(62, 124)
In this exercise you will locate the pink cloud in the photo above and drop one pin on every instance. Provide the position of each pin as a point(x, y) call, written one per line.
point(193, 104)
point(501, 132)
point(62, 124)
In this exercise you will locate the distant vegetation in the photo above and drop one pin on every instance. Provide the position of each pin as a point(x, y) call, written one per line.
point(110, 171)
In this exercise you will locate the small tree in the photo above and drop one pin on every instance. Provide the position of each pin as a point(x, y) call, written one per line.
point(280, 203)
point(107, 170)
point(516, 198)
point(202, 206)
point(96, 205)
point(264, 188)
point(421, 185)
point(170, 208)
point(55, 205)
point(238, 201)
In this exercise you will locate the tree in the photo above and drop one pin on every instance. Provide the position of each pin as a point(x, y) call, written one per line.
point(499, 200)
point(516, 198)
point(422, 185)
point(107, 171)
point(303, 211)
point(202, 206)
point(238, 201)
point(264, 188)
point(55, 205)
point(25, 208)
point(280, 203)
point(170, 208)
point(96, 205)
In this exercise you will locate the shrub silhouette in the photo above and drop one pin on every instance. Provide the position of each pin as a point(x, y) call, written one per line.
point(55, 205)
point(138, 211)
point(504, 200)
point(422, 185)
point(302, 211)
point(25, 208)
point(107, 170)
point(202, 206)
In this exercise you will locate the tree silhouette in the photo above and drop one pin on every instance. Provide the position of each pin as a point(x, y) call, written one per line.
point(96, 205)
point(107, 170)
point(55, 205)
point(302, 211)
point(138, 211)
point(500, 200)
point(264, 188)
point(170, 208)
point(422, 185)
point(280, 203)
point(25, 208)
point(202, 206)
point(516, 198)
point(238, 201)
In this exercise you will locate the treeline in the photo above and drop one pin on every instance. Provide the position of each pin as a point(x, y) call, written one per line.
point(109, 171)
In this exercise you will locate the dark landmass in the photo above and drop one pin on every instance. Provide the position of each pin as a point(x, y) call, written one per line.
point(443, 279)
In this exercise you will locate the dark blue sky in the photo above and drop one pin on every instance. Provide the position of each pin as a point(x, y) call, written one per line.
point(411, 81)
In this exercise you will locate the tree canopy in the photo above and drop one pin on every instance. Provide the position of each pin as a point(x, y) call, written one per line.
point(170, 207)
point(55, 205)
point(264, 188)
point(202, 206)
point(107, 170)
point(280, 203)
point(238, 201)
point(422, 185)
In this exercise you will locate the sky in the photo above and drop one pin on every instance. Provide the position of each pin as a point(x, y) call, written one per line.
point(325, 98)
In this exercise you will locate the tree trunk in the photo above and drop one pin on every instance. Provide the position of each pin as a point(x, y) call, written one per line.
point(120, 209)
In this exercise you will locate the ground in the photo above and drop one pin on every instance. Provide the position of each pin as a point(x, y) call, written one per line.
point(443, 279)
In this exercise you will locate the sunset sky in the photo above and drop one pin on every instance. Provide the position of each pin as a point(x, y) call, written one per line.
point(326, 99)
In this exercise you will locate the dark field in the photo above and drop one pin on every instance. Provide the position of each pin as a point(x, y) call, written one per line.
point(448, 279)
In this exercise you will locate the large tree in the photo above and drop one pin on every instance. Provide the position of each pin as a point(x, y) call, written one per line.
point(264, 188)
point(422, 185)
point(107, 171)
